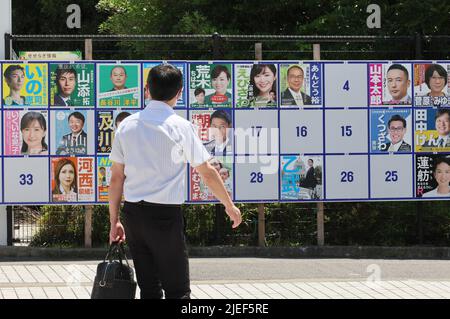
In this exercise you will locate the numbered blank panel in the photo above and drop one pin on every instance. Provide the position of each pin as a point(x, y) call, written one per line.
point(346, 131)
point(346, 176)
point(391, 176)
point(26, 180)
point(301, 131)
point(256, 177)
point(346, 85)
point(256, 131)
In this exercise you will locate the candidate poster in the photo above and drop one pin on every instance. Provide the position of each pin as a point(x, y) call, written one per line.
point(431, 87)
point(25, 132)
point(72, 85)
point(390, 130)
point(103, 177)
point(107, 124)
point(72, 132)
point(147, 66)
point(300, 85)
point(200, 192)
point(301, 177)
point(214, 129)
point(256, 85)
point(118, 85)
point(72, 179)
point(25, 85)
point(390, 84)
point(433, 176)
point(210, 85)
point(432, 130)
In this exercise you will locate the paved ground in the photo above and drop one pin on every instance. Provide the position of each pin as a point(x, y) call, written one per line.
point(250, 278)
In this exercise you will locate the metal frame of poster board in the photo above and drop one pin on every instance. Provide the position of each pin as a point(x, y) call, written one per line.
point(327, 110)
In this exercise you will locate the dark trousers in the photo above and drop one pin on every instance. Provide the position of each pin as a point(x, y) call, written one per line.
point(155, 235)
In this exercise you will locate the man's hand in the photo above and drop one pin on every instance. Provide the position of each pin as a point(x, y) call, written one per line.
point(235, 215)
point(117, 233)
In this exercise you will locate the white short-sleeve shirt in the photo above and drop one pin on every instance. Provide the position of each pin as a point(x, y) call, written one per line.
point(154, 145)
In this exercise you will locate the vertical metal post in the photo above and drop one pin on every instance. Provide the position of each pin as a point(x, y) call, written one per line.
point(217, 46)
point(220, 216)
point(8, 45)
point(88, 209)
point(418, 46)
point(261, 215)
point(88, 49)
point(320, 224)
point(261, 226)
point(316, 51)
point(258, 51)
point(320, 206)
point(9, 227)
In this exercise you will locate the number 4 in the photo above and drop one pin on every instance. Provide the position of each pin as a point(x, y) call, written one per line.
point(346, 86)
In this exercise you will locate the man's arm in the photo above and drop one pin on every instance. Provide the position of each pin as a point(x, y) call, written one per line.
point(212, 179)
point(117, 232)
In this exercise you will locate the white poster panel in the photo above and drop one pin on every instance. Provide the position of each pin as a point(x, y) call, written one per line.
point(346, 85)
point(301, 131)
point(256, 177)
point(346, 131)
point(26, 179)
point(346, 176)
point(390, 176)
point(256, 132)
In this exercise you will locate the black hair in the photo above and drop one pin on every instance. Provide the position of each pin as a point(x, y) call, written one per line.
point(221, 114)
point(397, 117)
point(164, 82)
point(400, 67)
point(257, 69)
point(77, 115)
point(441, 112)
point(198, 91)
point(118, 67)
point(63, 69)
point(216, 70)
point(440, 160)
point(121, 116)
point(26, 120)
point(10, 69)
point(429, 73)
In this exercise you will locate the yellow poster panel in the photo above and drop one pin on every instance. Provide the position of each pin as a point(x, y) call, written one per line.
point(25, 84)
point(430, 141)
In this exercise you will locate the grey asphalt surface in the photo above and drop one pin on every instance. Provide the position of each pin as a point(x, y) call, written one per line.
point(217, 270)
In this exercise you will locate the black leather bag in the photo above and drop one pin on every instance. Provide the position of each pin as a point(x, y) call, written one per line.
point(114, 279)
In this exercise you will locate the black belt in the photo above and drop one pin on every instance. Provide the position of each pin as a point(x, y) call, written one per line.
point(144, 203)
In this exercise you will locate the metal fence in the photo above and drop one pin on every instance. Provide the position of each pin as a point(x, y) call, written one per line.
point(237, 47)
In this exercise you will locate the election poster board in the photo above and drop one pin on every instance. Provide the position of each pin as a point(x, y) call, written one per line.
point(277, 131)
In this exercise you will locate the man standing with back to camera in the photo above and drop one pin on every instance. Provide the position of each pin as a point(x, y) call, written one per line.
point(149, 156)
